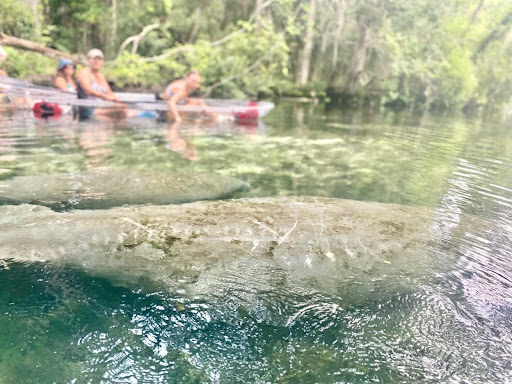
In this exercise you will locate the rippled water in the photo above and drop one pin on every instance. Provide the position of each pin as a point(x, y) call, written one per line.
point(59, 324)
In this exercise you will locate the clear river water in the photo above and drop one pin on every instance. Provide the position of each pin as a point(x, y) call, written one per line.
point(60, 324)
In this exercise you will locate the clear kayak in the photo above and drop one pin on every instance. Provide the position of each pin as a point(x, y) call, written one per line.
point(238, 109)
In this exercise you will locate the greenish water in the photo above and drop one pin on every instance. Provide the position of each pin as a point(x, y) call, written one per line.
point(59, 324)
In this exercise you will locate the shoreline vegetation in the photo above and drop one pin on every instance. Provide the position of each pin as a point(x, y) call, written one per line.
point(428, 55)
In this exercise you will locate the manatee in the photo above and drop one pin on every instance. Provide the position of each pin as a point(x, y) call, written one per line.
point(113, 187)
point(311, 241)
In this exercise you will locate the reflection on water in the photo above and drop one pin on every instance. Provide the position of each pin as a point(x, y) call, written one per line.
point(61, 325)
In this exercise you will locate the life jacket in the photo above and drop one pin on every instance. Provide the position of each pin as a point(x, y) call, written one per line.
point(251, 113)
point(43, 110)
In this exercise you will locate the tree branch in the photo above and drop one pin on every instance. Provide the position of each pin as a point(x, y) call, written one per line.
point(254, 65)
point(247, 70)
point(15, 42)
point(136, 39)
point(225, 39)
point(195, 28)
point(475, 13)
point(496, 33)
point(172, 52)
point(243, 29)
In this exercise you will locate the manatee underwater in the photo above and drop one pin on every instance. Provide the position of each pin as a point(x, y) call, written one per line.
point(110, 188)
point(314, 241)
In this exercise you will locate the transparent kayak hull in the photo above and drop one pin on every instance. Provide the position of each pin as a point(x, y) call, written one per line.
point(239, 109)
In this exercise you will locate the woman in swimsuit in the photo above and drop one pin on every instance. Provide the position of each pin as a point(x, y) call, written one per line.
point(93, 85)
point(65, 77)
point(177, 93)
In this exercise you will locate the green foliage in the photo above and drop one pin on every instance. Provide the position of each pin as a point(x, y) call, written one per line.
point(457, 81)
point(26, 64)
point(129, 70)
point(17, 19)
point(426, 51)
point(214, 63)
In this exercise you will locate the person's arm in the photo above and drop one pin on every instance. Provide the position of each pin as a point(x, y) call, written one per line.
point(111, 96)
point(172, 104)
point(2, 73)
point(61, 84)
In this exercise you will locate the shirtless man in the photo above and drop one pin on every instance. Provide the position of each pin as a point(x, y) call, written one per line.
point(3, 55)
point(177, 93)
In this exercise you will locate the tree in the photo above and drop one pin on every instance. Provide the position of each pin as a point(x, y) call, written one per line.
point(305, 56)
point(429, 52)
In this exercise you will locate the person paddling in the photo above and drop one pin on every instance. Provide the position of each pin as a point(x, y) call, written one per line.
point(3, 56)
point(177, 93)
point(92, 84)
point(65, 77)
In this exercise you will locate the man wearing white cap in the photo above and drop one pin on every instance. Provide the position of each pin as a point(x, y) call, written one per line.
point(94, 85)
point(3, 55)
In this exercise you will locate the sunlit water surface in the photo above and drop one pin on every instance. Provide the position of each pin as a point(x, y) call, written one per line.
point(61, 325)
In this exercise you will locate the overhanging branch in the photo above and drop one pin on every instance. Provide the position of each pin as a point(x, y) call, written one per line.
point(136, 39)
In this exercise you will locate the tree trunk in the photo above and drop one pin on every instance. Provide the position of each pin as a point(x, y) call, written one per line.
point(224, 21)
point(113, 32)
point(340, 24)
point(318, 67)
point(245, 7)
point(305, 57)
point(474, 17)
point(34, 5)
point(496, 33)
point(259, 4)
point(15, 42)
point(197, 24)
point(359, 58)
point(114, 21)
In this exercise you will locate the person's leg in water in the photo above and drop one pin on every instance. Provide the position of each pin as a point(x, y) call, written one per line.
point(179, 144)
point(116, 113)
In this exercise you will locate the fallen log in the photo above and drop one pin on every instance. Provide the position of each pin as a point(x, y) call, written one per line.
point(26, 45)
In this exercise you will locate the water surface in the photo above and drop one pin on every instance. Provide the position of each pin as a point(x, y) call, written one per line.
point(61, 325)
